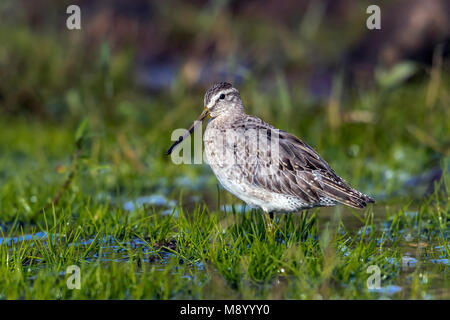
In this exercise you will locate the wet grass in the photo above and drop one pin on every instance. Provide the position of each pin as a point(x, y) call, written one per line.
point(134, 234)
point(108, 200)
point(203, 254)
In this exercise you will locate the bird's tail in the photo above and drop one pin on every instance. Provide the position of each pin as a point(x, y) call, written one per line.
point(341, 192)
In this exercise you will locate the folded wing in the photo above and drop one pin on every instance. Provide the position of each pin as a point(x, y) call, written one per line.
point(298, 171)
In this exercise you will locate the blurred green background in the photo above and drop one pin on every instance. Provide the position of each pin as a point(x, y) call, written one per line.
point(373, 103)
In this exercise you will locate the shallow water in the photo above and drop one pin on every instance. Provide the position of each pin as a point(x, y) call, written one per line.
point(151, 200)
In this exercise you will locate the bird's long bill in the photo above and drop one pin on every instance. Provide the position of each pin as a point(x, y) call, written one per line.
point(199, 121)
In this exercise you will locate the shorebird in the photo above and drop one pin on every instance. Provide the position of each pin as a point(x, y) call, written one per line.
point(282, 174)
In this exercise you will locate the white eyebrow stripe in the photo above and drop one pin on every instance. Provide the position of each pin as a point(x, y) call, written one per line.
point(213, 100)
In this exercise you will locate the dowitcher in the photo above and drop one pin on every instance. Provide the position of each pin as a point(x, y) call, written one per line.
point(265, 167)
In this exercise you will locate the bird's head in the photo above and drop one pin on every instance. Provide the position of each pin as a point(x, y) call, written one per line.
point(221, 99)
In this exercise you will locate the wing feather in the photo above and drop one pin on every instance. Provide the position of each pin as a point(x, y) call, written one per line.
point(299, 171)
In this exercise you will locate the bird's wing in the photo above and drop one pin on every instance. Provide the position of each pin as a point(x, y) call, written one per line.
point(296, 170)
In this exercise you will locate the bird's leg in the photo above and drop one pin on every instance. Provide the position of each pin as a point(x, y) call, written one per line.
point(270, 227)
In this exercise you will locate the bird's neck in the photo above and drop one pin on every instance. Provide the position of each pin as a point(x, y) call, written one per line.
point(229, 117)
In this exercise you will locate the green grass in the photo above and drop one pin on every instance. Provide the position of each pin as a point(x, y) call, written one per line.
point(203, 254)
point(194, 240)
point(194, 250)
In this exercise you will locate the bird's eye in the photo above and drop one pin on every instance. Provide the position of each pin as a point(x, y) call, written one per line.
point(222, 96)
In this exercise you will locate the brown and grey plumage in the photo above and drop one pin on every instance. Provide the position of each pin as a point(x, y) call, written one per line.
point(267, 168)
